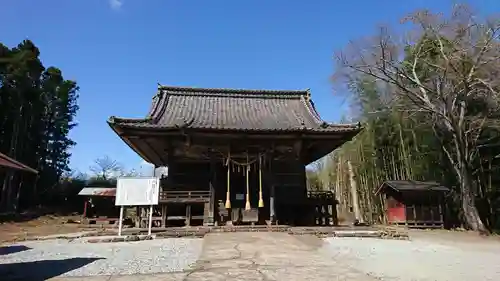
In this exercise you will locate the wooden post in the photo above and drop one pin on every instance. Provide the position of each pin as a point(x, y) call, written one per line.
point(138, 217)
point(272, 212)
point(164, 215)
point(84, 215)
point(211, 188)
point(4, 199)
point(188, 215)
point(414, 213)
point(441, 217)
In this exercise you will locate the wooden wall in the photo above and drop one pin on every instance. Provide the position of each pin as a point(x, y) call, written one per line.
point(289, 180)
point(188, 176)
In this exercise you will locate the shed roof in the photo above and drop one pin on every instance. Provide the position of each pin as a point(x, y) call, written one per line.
point(233, 109)
point(9, 163)
point(402, 186)
point(98, 191)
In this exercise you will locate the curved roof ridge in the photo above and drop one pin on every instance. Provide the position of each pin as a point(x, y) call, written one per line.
point(158, 107)
point(238, 109)
point(195, 90)
point(311, 109)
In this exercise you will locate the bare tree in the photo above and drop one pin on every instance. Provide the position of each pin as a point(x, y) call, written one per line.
point(106, 168)
point(444, 69)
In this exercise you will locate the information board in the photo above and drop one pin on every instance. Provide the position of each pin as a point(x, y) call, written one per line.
point(137, 191)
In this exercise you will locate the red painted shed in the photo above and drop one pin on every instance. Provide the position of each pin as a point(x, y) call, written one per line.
point(414, 203)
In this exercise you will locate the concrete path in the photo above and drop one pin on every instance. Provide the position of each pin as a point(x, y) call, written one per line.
point(267, 256)
point(256, 256)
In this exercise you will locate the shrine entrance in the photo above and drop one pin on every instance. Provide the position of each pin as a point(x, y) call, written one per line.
point(241, 191)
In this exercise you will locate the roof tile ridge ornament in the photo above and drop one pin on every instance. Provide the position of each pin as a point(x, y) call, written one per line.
point(113, 119)
point(308, 96)
point(309, 104)
point(157, 105)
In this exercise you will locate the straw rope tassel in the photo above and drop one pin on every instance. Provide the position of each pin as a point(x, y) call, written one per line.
point(228, 194)
point(261, 201)
point(247, 205)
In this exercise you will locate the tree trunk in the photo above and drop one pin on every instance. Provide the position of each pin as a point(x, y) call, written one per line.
point(18, 195)
point(354, 193)
point(469, 208)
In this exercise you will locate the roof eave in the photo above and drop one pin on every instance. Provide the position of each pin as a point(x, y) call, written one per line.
point(116, 128)
point(16, 165)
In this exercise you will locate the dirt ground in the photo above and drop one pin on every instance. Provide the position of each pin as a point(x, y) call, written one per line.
point(18, 230)
point(452, 236)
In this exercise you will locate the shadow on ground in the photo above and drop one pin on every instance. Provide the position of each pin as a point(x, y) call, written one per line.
point(41, 270)
point(13, 249)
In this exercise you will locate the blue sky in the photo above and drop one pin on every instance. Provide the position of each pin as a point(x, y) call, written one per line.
point(118, 50)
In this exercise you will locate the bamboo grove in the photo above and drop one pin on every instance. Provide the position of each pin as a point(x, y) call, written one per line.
point(37, 110)
point(429, 101)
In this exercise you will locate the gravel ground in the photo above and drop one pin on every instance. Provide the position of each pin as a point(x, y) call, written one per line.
point(419, 260)
point(54, 257)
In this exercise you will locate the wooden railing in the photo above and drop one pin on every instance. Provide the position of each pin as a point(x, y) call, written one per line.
point(328, 195)
point(185, 196)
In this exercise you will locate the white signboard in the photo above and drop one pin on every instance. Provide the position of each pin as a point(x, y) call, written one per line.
point(240, 196)
point(137, 191)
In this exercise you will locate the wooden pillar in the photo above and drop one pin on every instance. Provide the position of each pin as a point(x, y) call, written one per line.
point(272, 211)
point(138, 216)
point(144, 214)
point(440, 210)
point(335, 218)
point(414, 213)
point(84, 215)
point(188, 215)
point(210, 209)
point(164, 215)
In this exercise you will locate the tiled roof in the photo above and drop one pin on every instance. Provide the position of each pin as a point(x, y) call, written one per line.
point(409, 185)
point(9, 163)
point(232, 109)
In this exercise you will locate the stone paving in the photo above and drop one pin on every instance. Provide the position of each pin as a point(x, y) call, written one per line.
point(255, 256)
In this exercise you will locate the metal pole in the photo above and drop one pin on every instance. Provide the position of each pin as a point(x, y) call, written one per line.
point(150, 219)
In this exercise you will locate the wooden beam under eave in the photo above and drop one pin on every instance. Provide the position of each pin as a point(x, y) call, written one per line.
point(223, 134)
point(155, 151)
point(131, 142)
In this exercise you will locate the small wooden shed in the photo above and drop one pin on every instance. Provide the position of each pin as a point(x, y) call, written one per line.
point(414, 203)
point(99, 206)
point(11, 193)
